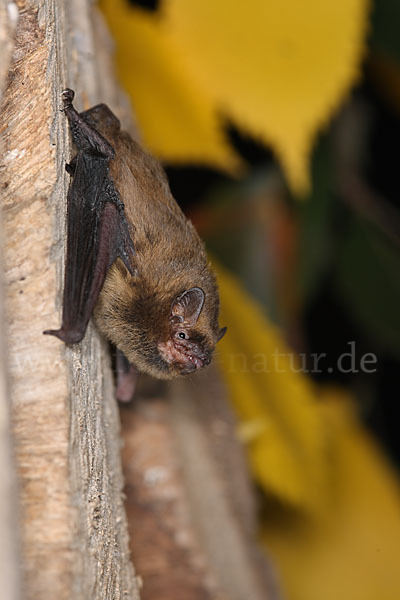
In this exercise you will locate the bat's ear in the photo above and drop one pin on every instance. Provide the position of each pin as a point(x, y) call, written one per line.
point(186, 307)
point(221, 333)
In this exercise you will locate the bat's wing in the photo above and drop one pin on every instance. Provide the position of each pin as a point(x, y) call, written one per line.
point(97, 229)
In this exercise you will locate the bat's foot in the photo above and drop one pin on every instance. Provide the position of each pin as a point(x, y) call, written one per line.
point(69, 336)
point(127, 376)
point(126, 385)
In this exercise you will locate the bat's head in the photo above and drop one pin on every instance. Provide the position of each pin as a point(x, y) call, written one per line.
point(191, 334)
point(164, 334)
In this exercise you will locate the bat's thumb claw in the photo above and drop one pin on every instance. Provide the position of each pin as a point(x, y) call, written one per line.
point(69, 336)
point(67, 96)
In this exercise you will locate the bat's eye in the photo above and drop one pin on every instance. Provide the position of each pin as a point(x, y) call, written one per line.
point(183, 335)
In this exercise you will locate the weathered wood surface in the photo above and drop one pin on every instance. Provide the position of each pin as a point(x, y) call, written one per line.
point(9, 556)
point(73, 529)
point(190, 503)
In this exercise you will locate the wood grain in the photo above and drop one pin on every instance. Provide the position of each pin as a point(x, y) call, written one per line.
point(66, 427)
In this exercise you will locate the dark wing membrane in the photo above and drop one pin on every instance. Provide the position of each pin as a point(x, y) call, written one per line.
point(97, 230)
point(85, 267)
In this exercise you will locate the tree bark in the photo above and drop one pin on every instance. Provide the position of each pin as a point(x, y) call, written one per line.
point(74, 541)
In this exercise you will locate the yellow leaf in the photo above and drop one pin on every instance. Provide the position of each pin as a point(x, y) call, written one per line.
point(276, 405)
point(177, 119)
point(278, 69)
point(349, 548)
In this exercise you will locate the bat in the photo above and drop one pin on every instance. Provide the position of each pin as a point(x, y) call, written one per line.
point(133, 259)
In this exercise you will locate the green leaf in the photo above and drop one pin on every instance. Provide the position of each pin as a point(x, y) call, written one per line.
point(367, 280)
point(315, 225)
point(385, 27)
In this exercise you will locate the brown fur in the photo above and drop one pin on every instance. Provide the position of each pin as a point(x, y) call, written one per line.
point(134, 311)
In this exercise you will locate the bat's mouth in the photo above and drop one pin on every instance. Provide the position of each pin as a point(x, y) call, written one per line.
point(190, 365)
point(185, 357)
point(197, 363)
point(193, 363)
